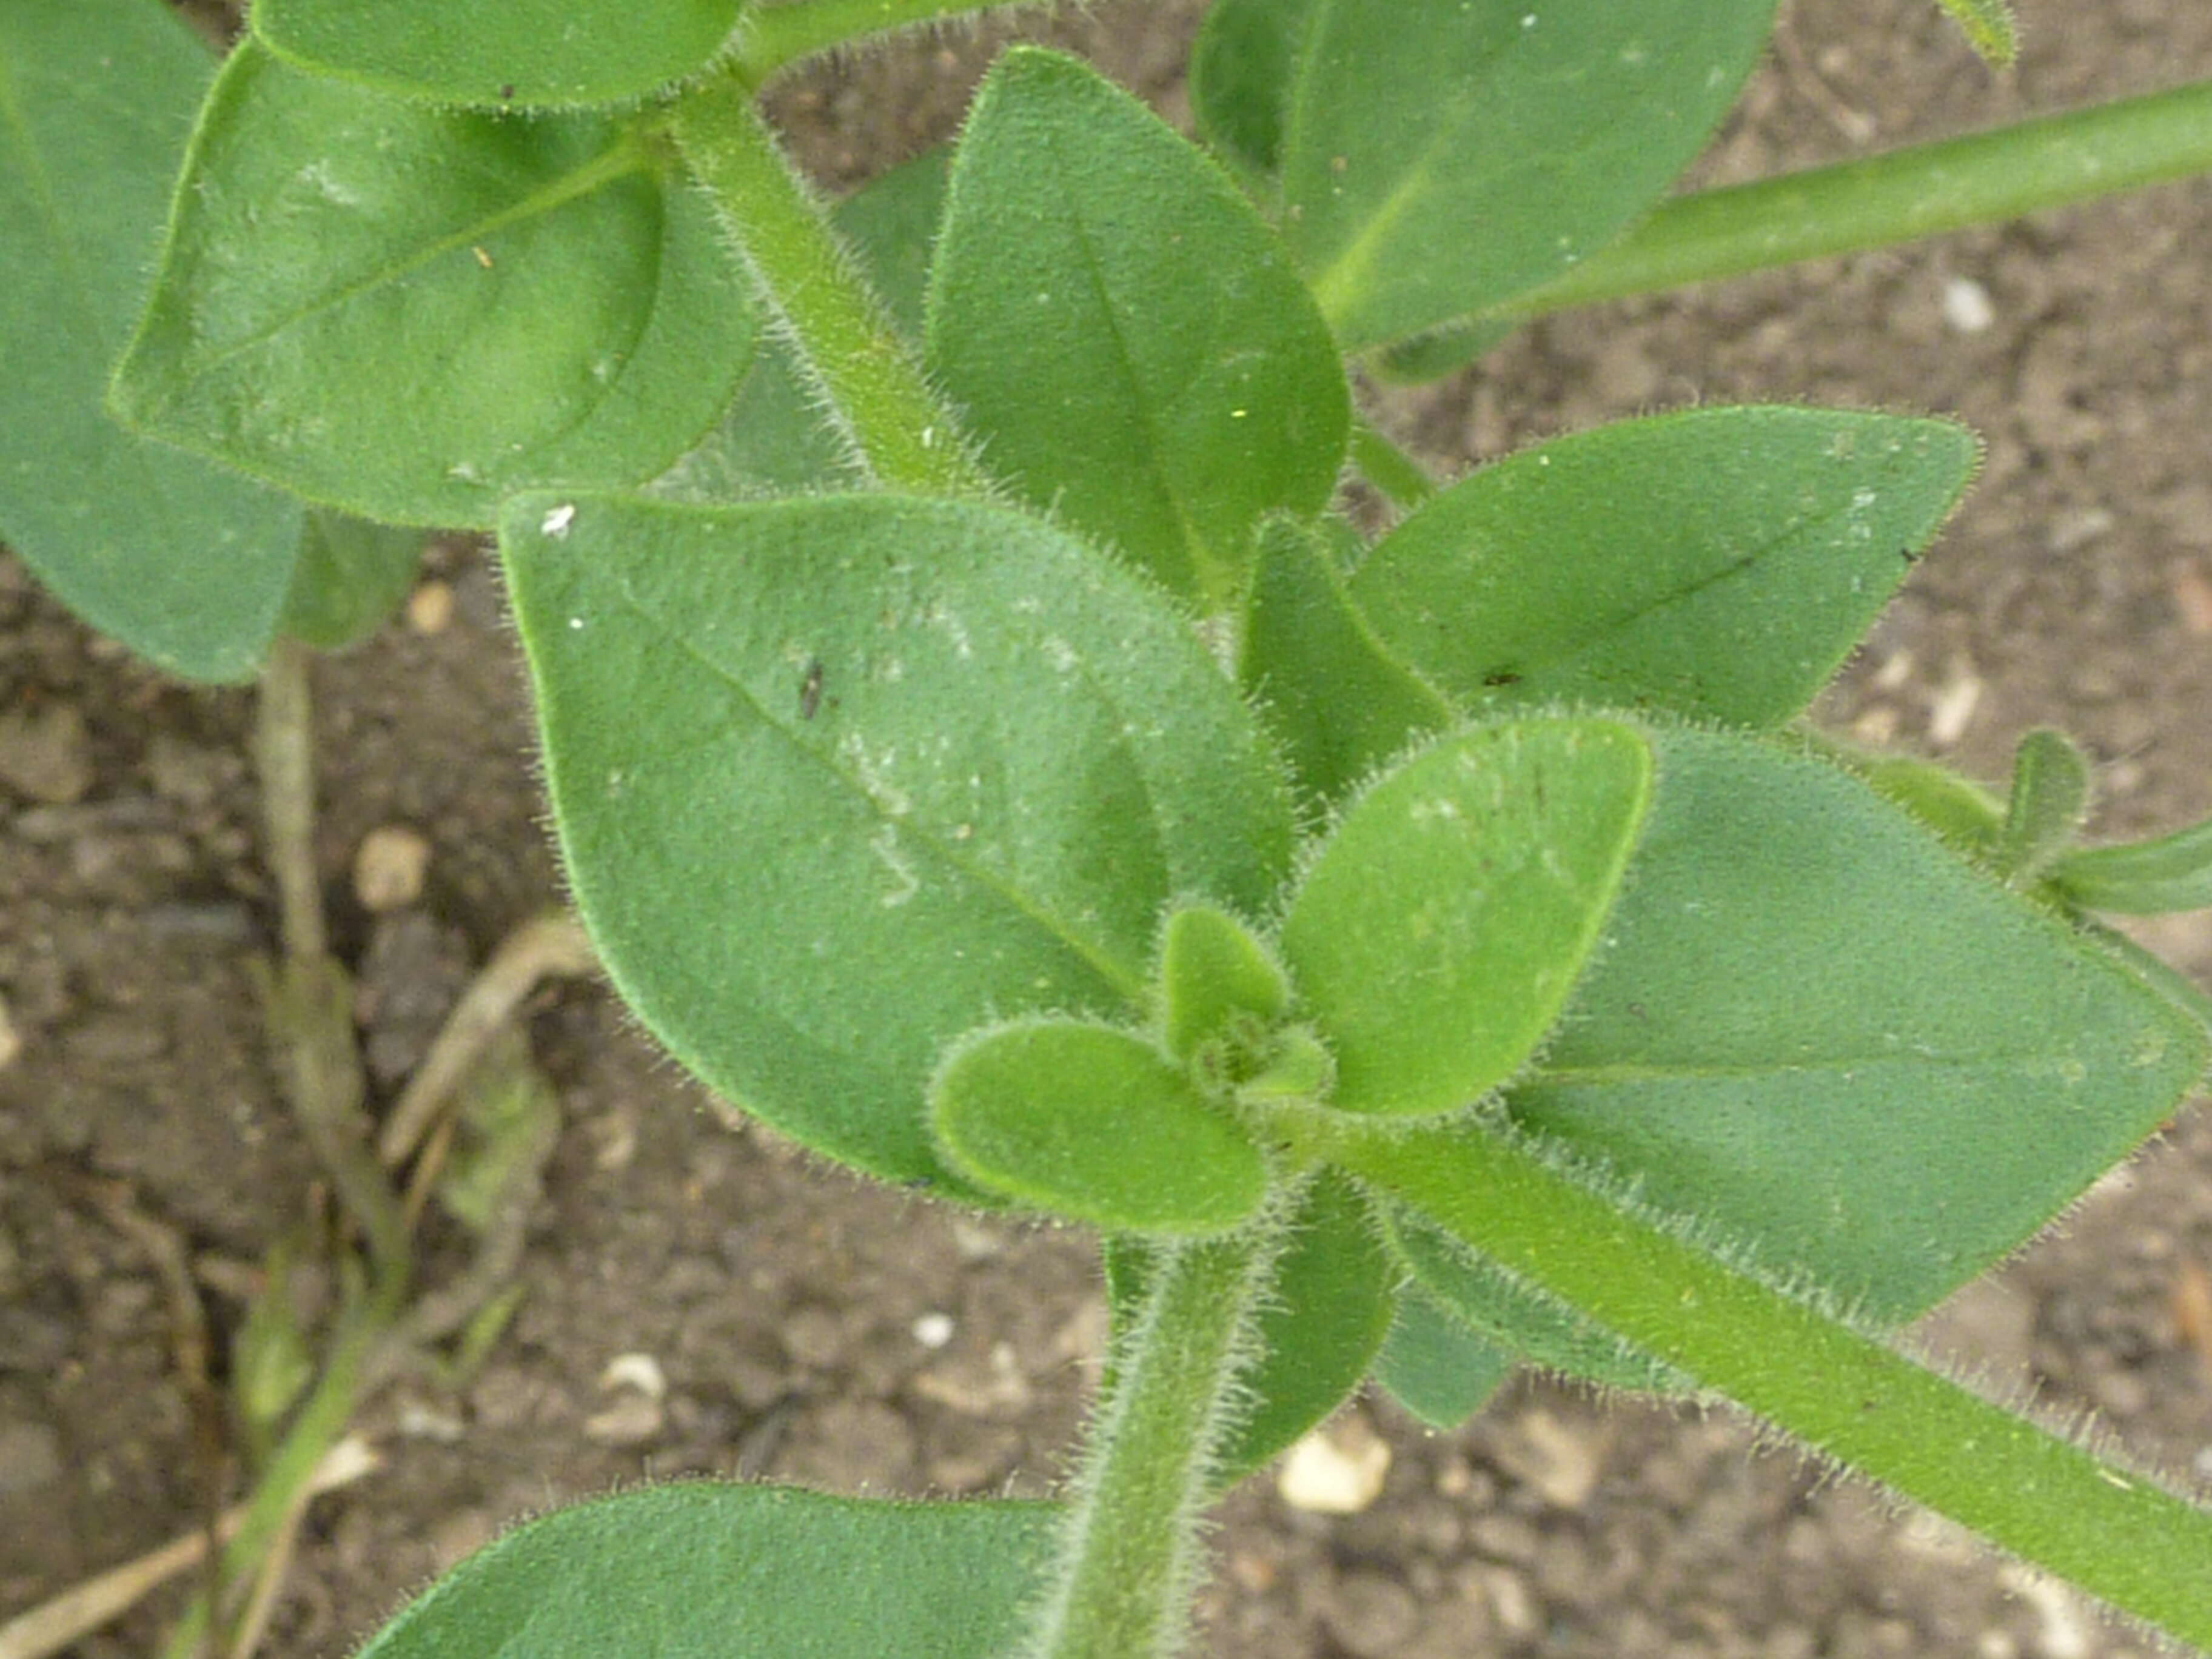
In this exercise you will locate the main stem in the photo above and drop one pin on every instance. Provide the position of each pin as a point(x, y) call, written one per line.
point(869, 380)
point(2116, 1534)
point(1128, 1564)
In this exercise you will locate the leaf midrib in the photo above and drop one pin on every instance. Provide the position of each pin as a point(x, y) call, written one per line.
point(1128, 981)
point(624, 156)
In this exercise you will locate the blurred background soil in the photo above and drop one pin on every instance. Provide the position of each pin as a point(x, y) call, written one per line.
point(809, 1327)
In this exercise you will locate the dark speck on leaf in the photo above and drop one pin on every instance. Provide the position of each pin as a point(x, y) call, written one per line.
point(1502, 677)
point(506, 91)
point(810, 690)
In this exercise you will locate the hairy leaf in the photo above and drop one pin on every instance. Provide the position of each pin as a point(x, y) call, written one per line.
point(1851, 1054)
point(1718, 561)
point(1212, 970)
point(708, 1567)
point(1436, 1367)
point(434, 307)
point(2050, 797)
point(1320, 1326)
point(351, 576)
point(2144, 878)
point(507, 54)
point(186, 565)
point(1128, 339)
point(1436, 156)
point(1095, 1125)
point(1437, 932)
point(1512, 1320)
point(840, 779)
point(1340, 701)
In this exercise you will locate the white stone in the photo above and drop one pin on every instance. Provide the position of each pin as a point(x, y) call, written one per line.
point(1338, 1469)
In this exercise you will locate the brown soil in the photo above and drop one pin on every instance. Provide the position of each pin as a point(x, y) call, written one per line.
point(781, 1300)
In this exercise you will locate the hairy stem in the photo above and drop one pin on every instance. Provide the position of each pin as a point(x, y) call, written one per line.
point(1922, 191)
point(776, 37)
point(2116, 1534)
point(870, 382)
point(1127, 1566)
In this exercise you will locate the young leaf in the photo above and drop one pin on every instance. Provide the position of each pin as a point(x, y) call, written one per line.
point(1340, 701)
point(1096, 1125)
point(1439, 931)
point(1848, 1055)
point(185, 565)
point(1964, 816)
point(349, 577)
point(2143, 878)
point(1514, 1320)
point(1404, 122)
point(1436, 1368)
point(839, 780)
point(438, 308)
point(1987, 27)
point(1211, 971)
point(516, 54)
point(2050, 796)
point(709, 1567)
point(1718, 561)
point(1127, 338)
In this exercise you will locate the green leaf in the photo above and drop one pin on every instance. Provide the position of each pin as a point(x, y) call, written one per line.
point(1436, 1368)
point(1320, 1328)
point(1439, 352)
point(1439, 155)
point(1322, 1324)
point(2144, 878)
point(1439, 931)
point(1095, 1125)
point(351, 576)
point(185, 565)
point(1848, 1055)
point(1340, 701)
point(1242, 67)
point(1127, 338)
point(511, 54)
point(436, 308)
point(1987, 27)
point(1512, 1320)
point(1718, 561)
point(775, 439)
point(703, 1567)
point(1964, 816)
point(840, 779)
point(1212, 970)
point(2050, 797)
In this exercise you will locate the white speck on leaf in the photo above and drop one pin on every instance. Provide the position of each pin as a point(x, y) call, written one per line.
point(556, 522)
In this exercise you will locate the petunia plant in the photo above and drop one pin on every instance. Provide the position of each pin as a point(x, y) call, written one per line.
point(987, 744)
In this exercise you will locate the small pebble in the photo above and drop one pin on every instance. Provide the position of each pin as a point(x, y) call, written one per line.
point(639, 1371)
point(933, 1330)
point(1338, 1469)
point(11, 1041)
point(430, 608)
point(1968, 306)
point(389, 866)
